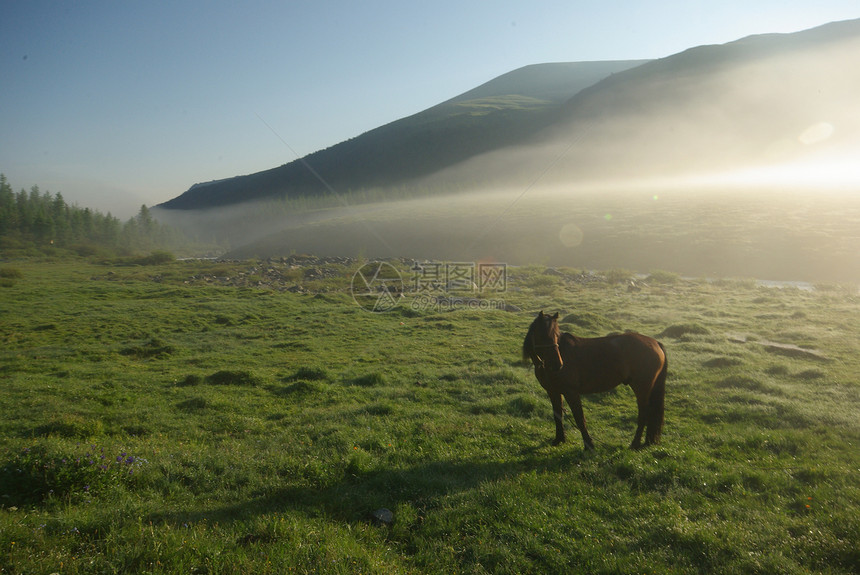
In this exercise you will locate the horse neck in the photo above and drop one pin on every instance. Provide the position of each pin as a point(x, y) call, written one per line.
point(566, 342)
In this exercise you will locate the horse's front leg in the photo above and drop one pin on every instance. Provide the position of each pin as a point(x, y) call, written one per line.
point(575, 403)
point(558, 415)
point(552, 390)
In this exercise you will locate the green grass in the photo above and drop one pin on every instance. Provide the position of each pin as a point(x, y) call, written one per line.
point(264, 427)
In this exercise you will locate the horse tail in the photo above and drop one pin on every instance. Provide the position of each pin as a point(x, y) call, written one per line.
point(656, 403)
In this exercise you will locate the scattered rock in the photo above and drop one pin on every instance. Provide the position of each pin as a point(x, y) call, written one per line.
point(786, 349)
point(383, 516)
point(792, 350)
point(278, 274)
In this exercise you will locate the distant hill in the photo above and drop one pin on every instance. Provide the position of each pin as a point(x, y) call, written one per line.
point(589, 165)
point(758, 101)
point(505, 111)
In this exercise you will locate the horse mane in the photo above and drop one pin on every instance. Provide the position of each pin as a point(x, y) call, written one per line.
point(528, 348)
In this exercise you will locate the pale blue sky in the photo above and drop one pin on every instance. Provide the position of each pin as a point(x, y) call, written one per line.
point(119, 103)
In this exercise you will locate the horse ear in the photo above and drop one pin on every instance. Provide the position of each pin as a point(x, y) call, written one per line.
point(555, 316)
point(540, 314)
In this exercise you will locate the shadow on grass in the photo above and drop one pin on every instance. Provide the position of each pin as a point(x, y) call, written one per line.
point(355, 497)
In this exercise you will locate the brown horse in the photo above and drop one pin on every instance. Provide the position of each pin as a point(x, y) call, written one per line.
point(573, 366)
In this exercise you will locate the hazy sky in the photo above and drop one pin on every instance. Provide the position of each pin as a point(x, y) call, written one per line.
point(117, 103)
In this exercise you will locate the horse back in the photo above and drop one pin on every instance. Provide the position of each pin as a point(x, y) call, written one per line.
point(643, 351)
point(613, 359)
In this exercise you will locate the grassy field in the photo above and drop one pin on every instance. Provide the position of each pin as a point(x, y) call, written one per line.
point(250, 417)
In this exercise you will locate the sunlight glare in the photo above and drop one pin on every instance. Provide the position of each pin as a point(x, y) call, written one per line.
point(816, 133)
point(829, 174)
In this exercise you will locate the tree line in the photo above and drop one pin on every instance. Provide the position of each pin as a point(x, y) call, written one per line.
point(38, 221)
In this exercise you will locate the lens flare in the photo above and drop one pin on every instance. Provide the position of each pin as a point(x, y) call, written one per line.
point(570, 235)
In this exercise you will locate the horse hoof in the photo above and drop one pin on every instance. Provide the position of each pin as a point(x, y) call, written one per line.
point(558, 441)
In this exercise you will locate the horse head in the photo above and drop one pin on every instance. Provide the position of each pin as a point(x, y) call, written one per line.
point(541, 344)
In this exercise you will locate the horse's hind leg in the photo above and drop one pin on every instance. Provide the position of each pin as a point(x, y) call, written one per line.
point(575, 403)
point(641, 420)
point(637, 437)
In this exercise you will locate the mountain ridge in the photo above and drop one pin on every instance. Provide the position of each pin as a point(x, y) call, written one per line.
point(705, 108)
point(419, 144)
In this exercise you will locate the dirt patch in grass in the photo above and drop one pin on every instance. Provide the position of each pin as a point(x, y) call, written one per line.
point(228, 377)
point(152, 349)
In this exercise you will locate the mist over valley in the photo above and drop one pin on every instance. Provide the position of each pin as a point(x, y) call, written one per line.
point(727, 160)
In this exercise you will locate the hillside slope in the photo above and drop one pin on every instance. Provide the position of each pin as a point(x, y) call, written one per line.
point(504, 111)
point(760, 101)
